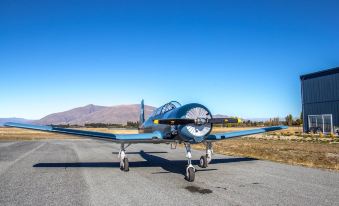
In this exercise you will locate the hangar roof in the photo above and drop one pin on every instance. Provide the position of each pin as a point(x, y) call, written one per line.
point(320, 73)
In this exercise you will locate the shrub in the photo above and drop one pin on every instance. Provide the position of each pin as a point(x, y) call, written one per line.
point(321, 135)
point(331, 135)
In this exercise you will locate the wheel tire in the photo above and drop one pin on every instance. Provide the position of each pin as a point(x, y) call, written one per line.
point(190, 174)
point(125, 165)
point(121, 165)
point(203, 162)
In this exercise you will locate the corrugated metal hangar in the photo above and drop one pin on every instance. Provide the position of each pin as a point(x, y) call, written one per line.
point(320, 101)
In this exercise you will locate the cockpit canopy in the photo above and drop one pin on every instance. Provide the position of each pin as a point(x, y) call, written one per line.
point(166, 108)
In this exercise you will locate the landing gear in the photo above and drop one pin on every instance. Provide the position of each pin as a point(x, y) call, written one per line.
point(206, 159)
point(209, 151)
point(190, 170)
point(190, 174)
point(124, 165)
point(203, 162)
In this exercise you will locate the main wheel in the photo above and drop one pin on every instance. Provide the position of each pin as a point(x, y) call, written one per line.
point(124, 166)
point(190, 174)
point(203, 161)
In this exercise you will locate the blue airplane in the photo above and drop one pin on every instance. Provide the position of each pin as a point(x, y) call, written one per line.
point(171, 123)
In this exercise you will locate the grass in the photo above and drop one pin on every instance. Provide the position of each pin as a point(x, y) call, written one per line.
point(287, 146)
point(23, 134)
point(308, 154)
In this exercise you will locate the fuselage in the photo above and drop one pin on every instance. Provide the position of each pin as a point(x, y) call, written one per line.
point(173, 110)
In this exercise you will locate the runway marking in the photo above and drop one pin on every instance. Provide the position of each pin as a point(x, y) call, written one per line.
point(9, 164)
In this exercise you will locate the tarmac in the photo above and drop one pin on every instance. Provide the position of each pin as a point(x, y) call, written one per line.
point(86, 172)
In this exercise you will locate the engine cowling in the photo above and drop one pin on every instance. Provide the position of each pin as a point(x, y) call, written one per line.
point(194, 133)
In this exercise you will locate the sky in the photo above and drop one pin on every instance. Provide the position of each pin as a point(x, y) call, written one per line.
point(240, 58)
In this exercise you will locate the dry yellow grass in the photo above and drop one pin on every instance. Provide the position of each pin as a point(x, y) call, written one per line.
point(308, 154)
point(281, 146)
point(23, 134)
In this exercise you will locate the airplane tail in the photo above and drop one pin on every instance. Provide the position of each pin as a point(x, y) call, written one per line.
point(142, 113)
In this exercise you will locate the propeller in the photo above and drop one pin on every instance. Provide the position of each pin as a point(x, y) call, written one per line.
point(174, 121)
point(198, 121)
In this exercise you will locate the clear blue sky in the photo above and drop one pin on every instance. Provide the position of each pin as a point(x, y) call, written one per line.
point(239, 58)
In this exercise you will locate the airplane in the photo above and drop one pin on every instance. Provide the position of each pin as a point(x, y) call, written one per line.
point(171, 123)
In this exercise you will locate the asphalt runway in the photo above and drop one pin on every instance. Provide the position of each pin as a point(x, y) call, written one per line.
point(86, 172)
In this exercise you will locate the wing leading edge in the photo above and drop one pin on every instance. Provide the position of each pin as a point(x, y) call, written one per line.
point(227, 135)
point(136, 138)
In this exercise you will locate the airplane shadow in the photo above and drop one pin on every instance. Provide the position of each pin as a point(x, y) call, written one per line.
point(170, 166)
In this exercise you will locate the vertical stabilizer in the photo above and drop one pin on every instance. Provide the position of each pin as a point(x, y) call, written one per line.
point(142, 113)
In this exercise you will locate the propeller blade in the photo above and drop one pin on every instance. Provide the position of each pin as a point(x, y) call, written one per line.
point(224, 120)
point(174, 121)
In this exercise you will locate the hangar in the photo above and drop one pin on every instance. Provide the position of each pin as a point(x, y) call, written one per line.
point(320, 101)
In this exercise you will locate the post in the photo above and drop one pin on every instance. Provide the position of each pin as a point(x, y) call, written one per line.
point(322, 117)
point(309, 122)
point(332, 129)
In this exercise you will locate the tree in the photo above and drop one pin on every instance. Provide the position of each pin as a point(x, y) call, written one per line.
point(272, 122)
point(297, 122)
point(289, 120)
point(276, 121)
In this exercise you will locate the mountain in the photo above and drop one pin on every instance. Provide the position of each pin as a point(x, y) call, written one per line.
point(220, 116)
point(96, 114)
point(13, 119)
point(119, 114)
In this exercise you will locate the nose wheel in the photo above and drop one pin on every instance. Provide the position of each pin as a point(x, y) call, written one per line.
point(190, 170)
point(190, 173)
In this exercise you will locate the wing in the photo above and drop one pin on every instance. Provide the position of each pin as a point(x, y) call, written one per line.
point(154, 137)
point(227, 135)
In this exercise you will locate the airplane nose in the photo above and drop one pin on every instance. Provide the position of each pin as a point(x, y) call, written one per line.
point(195, 132)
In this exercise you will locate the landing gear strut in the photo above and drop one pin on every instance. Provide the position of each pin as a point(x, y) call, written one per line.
point(124, 165)
point(206, 159)
point(190, 170)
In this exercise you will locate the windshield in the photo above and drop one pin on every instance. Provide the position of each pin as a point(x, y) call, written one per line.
point(166, 108)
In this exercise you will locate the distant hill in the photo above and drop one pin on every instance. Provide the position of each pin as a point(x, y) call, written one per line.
point(119, 114)
point(13, 119)
point(96, 114)
point(220, 116)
